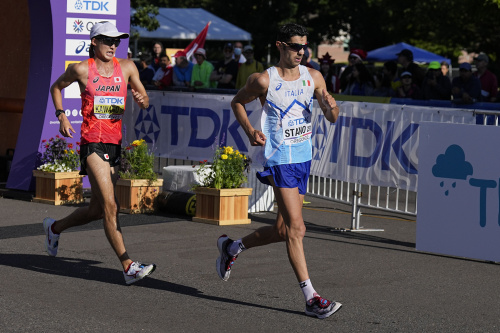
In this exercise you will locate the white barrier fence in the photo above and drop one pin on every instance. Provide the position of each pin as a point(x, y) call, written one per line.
point(372, 149)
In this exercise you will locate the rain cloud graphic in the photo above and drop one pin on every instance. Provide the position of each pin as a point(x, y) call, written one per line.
point(452, 165)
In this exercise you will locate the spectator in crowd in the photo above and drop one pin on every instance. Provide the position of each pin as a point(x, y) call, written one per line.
point(408, 88)
point(328, 71)
point(388, 83)
point(238, 55)
point(158, 51)
point(200, 78)
point(164, 75)
point(183, 70)
point(436, 85)
point(226, 70)
point(405, 59)
point(303, 60)
point(466, 88)
point(248, 68)
point(356, 56)
point(146, 71)
point(445, 69)
point(311, 62)
point(489, 83)
point(361, 82)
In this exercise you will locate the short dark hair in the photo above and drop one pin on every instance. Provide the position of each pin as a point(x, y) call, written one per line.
point(147, 58)
point(289, 30)
point(391, 66)
point(165, 56)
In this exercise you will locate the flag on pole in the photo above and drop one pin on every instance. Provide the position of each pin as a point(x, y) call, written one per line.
point(198, 42)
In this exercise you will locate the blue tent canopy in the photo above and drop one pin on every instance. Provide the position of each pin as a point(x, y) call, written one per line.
point(390, 53)
point(186, 23)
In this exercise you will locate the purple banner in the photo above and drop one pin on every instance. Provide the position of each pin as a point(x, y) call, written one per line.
point(59, 37)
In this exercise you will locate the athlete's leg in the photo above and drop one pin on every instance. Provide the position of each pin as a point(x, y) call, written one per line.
point(102, 179)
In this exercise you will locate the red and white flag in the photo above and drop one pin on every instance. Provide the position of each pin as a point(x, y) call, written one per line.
point(198, 42)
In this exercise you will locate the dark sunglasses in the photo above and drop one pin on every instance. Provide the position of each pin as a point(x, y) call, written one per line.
point(295, 46)
point(110, 41)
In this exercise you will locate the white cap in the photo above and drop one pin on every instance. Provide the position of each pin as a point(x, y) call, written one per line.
point(107, 29)
point(201, 51)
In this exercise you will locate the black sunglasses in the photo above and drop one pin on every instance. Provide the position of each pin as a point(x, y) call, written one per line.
point(109, 41)
point(295, 46)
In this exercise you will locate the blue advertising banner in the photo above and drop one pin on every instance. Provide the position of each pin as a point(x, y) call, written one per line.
point(59, 37)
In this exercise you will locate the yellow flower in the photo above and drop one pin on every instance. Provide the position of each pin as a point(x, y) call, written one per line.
point(137, 142)
point(228, 150)
point(65, 151)
point(223, 156)
point(71, 151)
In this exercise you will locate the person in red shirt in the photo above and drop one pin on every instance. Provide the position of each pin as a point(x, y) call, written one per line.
point(489, 82)
point(164, 75)
point(103, 85)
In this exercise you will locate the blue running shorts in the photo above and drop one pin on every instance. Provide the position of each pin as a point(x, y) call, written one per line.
point(287, 175)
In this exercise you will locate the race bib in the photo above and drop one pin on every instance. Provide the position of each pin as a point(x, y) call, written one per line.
point(296, 130)
point(109, 107)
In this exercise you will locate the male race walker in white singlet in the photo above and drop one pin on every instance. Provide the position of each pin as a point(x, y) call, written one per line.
point(286, 93)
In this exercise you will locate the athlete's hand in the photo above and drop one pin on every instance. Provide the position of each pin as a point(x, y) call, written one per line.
point(139, 99)
point(65, 127)
point(328, 100)
point(257, 138)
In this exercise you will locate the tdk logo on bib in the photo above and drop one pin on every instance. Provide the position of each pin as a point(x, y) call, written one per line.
point(111, 100)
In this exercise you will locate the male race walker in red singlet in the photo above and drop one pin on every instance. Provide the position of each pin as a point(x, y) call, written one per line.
point(103, 85)
point(285, 92)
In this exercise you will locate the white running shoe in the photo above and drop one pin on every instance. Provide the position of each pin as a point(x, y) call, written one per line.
point(321, 307)
point(224, 262)
point(137, 271)
point(51, 239)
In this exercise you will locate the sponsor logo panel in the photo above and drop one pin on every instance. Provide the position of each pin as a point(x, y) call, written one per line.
point(77, 47)
point(82, 26)
point(99, 7)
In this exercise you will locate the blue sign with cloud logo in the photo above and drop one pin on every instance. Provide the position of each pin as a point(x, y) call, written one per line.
point(458, 190)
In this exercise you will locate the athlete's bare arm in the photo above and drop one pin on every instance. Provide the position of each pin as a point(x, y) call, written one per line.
point(131, 74)
point(326, 102)
point(256, 87)
point(75, 72)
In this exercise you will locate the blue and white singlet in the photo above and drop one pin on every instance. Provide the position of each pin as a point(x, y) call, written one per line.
point(286, 119)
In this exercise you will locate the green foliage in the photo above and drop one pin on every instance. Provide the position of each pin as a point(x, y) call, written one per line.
point(227, 170)
point(137, 162)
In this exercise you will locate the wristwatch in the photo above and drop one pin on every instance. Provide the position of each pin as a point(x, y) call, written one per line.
point(58, 112)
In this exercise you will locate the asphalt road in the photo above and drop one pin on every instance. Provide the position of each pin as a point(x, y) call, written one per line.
point(385, 285)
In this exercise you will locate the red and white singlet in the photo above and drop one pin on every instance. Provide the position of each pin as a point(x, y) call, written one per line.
point(103, 105)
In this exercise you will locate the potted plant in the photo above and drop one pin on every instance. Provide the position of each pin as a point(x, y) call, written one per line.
point(219, 199)
point(138, 185)
point(57, 178)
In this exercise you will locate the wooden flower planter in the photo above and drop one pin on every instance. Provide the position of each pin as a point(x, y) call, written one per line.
point(57, 188)
point(222, 207)
point(136, 195)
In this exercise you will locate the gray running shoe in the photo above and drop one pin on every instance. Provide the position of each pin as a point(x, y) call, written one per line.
point(224, 262)
point(137, 271)
point(321, 307)
point(51, 239)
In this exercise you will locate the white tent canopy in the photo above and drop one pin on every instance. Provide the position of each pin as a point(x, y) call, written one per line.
point(186, 23)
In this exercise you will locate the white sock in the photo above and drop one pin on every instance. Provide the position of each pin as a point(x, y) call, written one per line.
point(307, 289)
point(236, 248)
